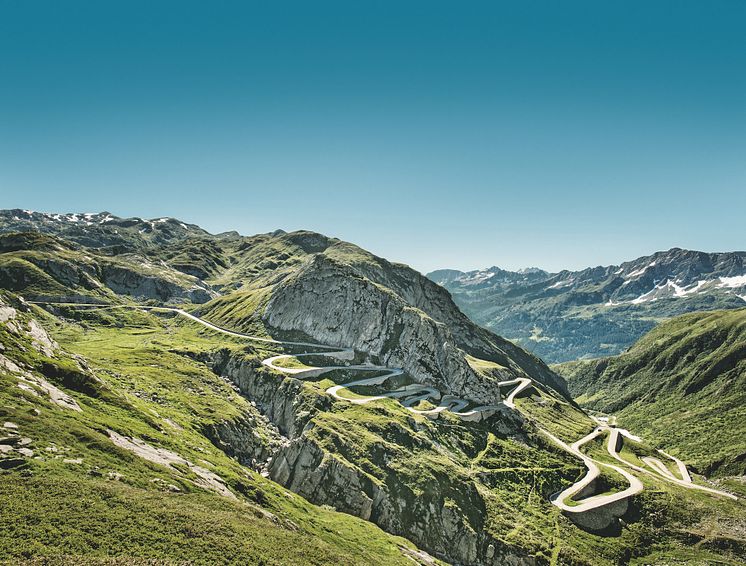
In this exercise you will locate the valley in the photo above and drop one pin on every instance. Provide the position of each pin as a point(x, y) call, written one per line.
point(247, 313)
point(598, 311)
point(342, 402)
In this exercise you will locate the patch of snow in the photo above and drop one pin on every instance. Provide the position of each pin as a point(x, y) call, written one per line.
point(733, 282)
point(478, 277)
point(638, 272)
point(565, 283)
point(677, 291)
point(701, 283)
point(184, 226)
point(644, 297)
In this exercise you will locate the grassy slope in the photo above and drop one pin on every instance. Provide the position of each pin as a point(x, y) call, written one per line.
point(105, 501)
point(514, 480)
point(683, 386)
point(34, 264)
point(54, 508)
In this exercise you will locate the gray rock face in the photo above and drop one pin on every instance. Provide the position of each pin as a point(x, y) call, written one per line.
point(277, 398)
point(452, 532)
point(251, 439)
point(318, 476)
point(339, 305)
point(600, 518)
point(128, 282)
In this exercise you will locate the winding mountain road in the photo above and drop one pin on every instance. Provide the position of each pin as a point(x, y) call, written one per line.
point(594, 502)
point(569, 500)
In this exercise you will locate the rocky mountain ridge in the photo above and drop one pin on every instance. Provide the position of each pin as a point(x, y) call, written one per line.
point(100, 229)
point(186, 404)
point(599, 310)
point(332, 291)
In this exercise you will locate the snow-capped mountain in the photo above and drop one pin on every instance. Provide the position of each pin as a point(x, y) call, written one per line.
point(99, 229)
point(598, 310)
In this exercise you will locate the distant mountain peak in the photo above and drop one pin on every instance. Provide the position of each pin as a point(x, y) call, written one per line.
point(598, 310)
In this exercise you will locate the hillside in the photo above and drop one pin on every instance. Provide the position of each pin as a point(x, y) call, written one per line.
point(120, 413)
point(267, 279)
point(377, 307)
point(685, 381)
point(322, 403)
point(598, 311)
point(111, 448)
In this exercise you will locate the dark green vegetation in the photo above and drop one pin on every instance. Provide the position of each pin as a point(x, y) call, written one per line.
point(186, 448)
point(598, 311)
point(683, 386)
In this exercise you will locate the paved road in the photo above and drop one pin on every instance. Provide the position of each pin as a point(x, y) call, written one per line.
point(521, 383)
point(410, 395)
point(565, 500)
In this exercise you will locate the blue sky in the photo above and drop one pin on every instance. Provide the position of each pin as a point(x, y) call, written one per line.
point(440, 134)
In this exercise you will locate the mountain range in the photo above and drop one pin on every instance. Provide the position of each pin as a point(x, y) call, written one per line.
point(597, 311)
point(173, 395)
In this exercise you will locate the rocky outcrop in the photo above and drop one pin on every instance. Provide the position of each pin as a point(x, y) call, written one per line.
point(601, 519)
point(125, 281)
point(335, 305)
point(308, 470)
point(446, 519)
point(280, 400)
point(251, 438)
point(425, 295)
point(452, 532)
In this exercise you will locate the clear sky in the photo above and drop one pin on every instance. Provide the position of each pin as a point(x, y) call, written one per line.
point(557, 134)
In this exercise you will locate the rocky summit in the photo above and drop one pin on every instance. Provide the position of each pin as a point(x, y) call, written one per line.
point(175, 396)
